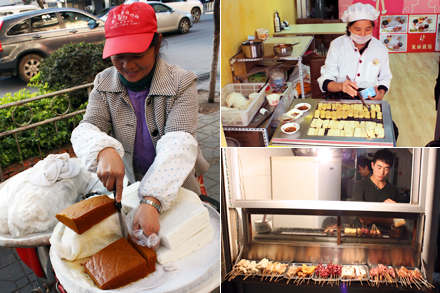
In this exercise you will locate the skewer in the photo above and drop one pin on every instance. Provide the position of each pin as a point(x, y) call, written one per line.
point(289, 279)
point(361, 282)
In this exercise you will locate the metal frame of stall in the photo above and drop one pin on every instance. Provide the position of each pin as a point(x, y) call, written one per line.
point(424, 207)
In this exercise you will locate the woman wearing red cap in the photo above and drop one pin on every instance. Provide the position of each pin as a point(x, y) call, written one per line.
point(151, 108)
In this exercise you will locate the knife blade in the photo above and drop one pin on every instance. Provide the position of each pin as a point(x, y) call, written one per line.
point(118, 206)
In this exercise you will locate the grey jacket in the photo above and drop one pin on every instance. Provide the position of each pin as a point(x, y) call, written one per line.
point(172, 105)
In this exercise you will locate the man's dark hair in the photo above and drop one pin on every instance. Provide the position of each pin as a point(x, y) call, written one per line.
point(385, 156)
point(361, 161)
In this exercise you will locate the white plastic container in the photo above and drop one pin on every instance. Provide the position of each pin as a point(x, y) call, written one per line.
point(239, 117)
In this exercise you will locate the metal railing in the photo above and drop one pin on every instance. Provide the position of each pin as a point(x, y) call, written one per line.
point(28, 125)
point(208, 6)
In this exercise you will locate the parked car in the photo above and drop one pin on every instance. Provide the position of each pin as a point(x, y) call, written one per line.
point(195, 7)
point(14, 9)
point(168, 18)
point(28, 37)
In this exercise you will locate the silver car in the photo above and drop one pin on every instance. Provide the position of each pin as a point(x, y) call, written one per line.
point(168, 18)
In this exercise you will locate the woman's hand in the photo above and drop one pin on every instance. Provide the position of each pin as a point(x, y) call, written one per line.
point(379, 94)
point(111, 171)
point(147, 218)
point(350, 88)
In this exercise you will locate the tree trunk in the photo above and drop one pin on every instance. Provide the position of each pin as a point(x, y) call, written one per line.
point(215, 51)
point(40, 3)
point(81, 5)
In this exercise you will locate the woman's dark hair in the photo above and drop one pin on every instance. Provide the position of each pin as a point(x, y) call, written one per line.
point(351, 23)
point(155, 43)
point(385, 156)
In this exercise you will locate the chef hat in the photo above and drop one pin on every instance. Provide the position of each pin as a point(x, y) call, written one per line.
point(360, 11)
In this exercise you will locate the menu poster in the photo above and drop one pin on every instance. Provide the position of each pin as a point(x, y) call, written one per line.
point(437, 43)
point(421, 42)
point(422, 23)
point(395, 43)
point(394, 24)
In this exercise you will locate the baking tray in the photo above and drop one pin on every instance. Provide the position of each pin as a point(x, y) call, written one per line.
point(382, 281)
point(316, 278)
point(297, 265)
point(302, 137)
point(367, 269)
point(275, 275)
point(408, 268)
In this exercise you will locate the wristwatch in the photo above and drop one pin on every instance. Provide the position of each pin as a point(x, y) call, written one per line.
point(152, 203)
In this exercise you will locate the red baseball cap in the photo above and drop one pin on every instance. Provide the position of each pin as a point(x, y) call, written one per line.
point(129, 28)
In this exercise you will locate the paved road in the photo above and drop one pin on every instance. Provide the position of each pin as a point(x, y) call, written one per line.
point(191, 51)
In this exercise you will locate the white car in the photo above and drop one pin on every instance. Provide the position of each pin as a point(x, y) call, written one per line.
point(7, 10)
point(195, 7)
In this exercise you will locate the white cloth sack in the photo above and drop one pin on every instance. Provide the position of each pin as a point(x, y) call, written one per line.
point(31, 208)
point(72, 246)
point(54, 167)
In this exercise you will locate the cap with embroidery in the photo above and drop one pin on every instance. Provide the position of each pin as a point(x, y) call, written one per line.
point(129, 28)
point(360, 11)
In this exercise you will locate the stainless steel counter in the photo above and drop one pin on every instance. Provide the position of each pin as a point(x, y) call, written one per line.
point(302, 137)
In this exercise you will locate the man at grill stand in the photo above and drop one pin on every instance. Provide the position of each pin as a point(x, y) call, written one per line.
point(364, 167)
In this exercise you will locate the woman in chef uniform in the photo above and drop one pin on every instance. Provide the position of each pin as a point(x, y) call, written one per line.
point(359, 56)
point(151, 108)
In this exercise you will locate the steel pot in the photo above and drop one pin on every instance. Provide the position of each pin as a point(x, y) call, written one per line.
point(253, 48)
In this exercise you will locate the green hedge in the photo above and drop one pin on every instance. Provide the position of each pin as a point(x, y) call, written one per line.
point(71, 65)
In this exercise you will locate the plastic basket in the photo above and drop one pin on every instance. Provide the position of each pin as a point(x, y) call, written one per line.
point(238, 117)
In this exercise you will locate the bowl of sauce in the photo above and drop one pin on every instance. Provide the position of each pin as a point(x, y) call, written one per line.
point(304, 107)
point(290, 128)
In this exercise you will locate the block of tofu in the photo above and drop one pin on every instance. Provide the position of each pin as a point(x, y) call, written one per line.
point(365, 109)
point(339, 114)
point(342, 133)
point(333, 106)
point(328, 106)
point(331, 132)
point(313, 124)
point(377, 108)
point(181, 222)
point(357, 132)
point(330, 124)
point(321, 132)
point(320, 106)
point(349, 132)
point(377, 129)
point(82, 215)
point(373, 113)
point(357, 124)
point(356, 115)
point(351, 124)
point(165, 255)
point(381, 133)
point(344, 114)
point(345, 107)
point(362, 124)
point(334, 115)
point(350, 113)
point(147, 253)
point(341, 125)
point(379, 115)
point(328, 115)
point(316, 114)
point(312, 131)
point(367, 115)
point(364, 133)
point(325, 124)
point(361, 114)
point(322, 114)
point(116, 265)
point(319, 123)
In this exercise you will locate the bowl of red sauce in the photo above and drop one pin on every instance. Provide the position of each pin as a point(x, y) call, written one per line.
point(304, 107)
point(290, 128)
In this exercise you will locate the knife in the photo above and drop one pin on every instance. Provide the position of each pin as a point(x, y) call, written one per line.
point(118, 206)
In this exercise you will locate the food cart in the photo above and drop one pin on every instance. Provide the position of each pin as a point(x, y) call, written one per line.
point(308, 245)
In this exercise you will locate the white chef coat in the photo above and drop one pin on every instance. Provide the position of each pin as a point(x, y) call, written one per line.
point(369, 69)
